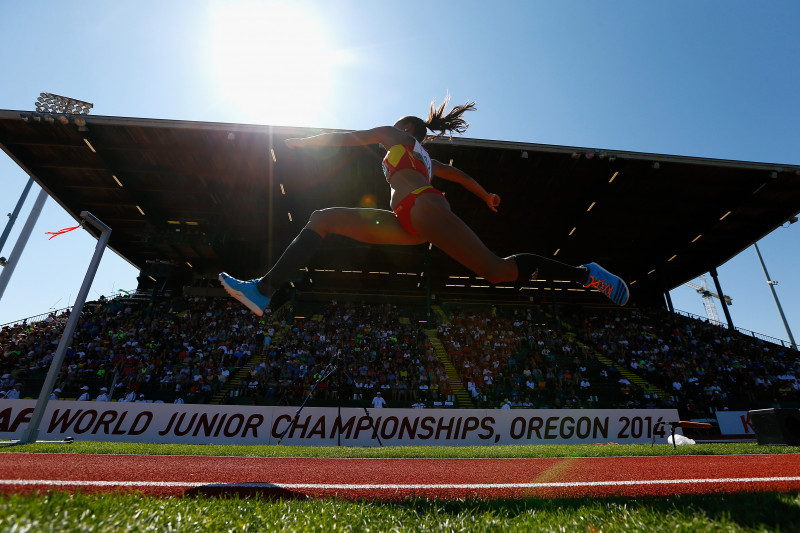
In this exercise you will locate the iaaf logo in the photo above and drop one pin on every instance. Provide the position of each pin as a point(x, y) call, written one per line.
point(10, 423)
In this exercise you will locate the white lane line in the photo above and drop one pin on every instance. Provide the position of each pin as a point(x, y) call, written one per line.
point(386, 486)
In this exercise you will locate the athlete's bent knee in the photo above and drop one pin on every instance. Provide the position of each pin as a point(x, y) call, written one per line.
point(321, 221)
point(494, 276)
point(500, 271)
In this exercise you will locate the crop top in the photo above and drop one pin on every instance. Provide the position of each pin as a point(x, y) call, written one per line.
point(410, 156)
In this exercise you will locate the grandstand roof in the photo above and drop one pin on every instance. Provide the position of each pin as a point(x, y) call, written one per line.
point(231, 197)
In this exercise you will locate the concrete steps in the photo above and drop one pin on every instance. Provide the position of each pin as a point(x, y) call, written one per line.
point(461, 393)
point(258, 357)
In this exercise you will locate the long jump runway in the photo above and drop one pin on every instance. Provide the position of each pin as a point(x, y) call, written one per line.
point(376, 479)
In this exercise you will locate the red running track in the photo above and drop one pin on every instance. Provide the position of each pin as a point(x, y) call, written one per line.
point(400, 478)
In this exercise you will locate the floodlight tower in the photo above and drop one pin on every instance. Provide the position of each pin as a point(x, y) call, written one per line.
point(50, 108)
point(772, 284)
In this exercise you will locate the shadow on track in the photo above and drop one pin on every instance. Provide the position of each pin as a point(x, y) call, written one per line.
point(264, 491)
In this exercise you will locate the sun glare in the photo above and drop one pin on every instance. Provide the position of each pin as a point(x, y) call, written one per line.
point(272, 60)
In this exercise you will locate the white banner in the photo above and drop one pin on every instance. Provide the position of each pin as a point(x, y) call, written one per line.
point(319, 426)
point(735, 423)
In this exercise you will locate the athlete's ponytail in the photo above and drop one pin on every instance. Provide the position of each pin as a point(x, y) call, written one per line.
point(438, 121)
point(451, 122)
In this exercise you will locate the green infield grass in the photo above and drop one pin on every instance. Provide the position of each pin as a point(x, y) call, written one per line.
point(565, 450)
point(64, 512)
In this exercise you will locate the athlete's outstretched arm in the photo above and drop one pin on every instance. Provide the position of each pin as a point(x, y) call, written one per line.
point(465, 180)
point(385, 135)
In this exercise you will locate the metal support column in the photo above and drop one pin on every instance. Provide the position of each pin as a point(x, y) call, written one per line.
point(428, 304)
point(12, 217)
point(555, 305)
point(22, 240)
point(670, 307)
point(713, 273)
point(32, 431)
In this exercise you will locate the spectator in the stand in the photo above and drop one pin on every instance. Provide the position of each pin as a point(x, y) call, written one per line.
point(14, 393)
point(103, 396)
point(402, 391)
point(129, 396)
point(7, 382)
point(84, 397)
point(378, 401)
point(54, 395)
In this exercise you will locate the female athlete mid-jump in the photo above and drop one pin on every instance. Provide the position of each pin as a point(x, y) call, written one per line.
point(420, 214)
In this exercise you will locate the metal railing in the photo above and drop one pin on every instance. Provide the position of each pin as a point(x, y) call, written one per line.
point(37, 318)
point(57, 312)
point(743, 331)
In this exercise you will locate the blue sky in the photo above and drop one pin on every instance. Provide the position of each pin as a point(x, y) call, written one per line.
point(712, 79)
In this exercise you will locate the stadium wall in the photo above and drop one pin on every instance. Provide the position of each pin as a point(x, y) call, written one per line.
point(318, 426)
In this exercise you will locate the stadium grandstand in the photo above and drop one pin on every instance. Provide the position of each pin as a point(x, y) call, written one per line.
point(186, 200)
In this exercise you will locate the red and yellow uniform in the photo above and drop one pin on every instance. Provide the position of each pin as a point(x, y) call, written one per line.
point(412, 156)
point(403, 210)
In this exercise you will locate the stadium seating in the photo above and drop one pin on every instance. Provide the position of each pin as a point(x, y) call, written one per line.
point(210, 350)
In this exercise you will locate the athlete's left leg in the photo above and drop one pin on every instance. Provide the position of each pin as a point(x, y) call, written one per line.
point(374, 226)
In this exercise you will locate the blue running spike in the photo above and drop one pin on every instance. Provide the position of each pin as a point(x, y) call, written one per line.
point(607, 283)
point(246, 292)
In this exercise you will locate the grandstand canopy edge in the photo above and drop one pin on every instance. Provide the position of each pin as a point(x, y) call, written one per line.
point(188, 199)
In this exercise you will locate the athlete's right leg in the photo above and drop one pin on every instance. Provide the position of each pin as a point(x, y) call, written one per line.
point(433, 219)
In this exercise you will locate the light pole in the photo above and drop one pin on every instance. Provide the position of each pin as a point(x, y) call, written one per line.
point(53, 107)
point(64, 107)
point(775, 296)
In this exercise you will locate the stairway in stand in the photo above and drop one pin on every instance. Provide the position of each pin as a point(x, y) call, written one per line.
point(634, 378)
point(631, 376)
point(234, 379)
point(257, 358)
point(459, 391)
point(441, 314)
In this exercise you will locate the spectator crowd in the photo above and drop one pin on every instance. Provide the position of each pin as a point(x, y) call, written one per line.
point(200, 350)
